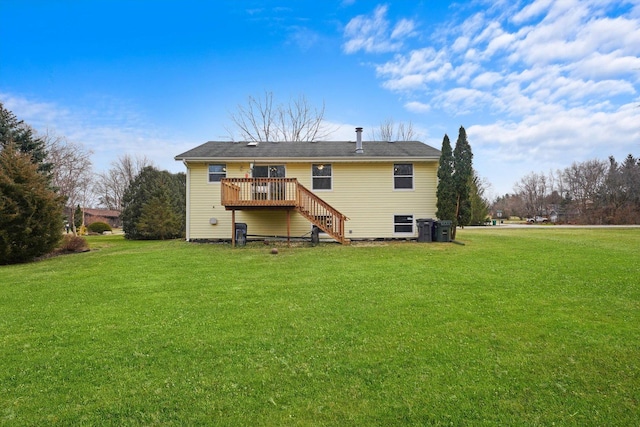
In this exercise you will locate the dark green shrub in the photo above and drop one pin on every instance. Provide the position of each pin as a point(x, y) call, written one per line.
point(30, 212)
point(99, 227)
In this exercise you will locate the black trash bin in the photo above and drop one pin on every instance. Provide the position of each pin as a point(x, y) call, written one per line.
point(442, 231)
point(315, 235)
point(425, 229)
point(241, 234)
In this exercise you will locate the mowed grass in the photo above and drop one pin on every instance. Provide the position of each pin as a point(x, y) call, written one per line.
point(516, 327)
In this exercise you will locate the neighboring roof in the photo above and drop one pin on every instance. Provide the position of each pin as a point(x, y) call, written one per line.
point(296, 150)
point(107, 213)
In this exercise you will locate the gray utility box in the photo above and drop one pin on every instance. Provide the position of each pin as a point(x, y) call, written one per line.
point(425, 229)
point(241, 233)
point(442, 231)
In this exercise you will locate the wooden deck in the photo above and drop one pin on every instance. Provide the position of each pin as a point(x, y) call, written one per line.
point(240, 193)
point(283, 193)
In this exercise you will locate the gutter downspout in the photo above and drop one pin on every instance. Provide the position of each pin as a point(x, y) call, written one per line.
point(188, 201)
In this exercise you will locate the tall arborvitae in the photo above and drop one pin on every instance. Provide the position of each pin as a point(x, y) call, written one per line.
point(446, 205)
point(462, 175)
point(30, 211)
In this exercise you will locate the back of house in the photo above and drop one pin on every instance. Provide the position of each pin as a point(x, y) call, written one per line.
point(350, 190)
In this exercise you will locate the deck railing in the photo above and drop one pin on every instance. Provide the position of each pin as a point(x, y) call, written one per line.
point(239, 193)
point(321, 213)
point(244, 192)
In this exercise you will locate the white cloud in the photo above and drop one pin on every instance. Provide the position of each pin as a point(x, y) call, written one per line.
point(110, 128)
point(417, 107)
point(600, 66)
point(303, 37)
point(370, 33)
point(403, 28)
point(460, 44)
point(460, 101)
point(549, 83)
point(486, 79)
point(34, 111)
point(532, 10)
point(415, 70)
point(544, 137)
point(406, 83)
point(500, 42)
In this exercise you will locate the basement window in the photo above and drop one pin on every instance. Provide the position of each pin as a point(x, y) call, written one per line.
point(217, 172)
point(321, 175)
point(403, 176)
point(403, 224)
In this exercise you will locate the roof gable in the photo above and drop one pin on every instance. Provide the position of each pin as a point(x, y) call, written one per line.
point(310, 150)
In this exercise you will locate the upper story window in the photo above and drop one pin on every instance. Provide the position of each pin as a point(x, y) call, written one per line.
point(270, 171)
point(403, 176)
point(321, 176)
point(217, 172)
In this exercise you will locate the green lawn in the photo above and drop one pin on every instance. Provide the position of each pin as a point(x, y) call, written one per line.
point(516, 327)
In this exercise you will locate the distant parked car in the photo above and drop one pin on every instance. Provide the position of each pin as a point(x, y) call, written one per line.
point(537, 219)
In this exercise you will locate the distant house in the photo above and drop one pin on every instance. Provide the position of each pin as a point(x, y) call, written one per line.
point(111, 217)
point(348, 190)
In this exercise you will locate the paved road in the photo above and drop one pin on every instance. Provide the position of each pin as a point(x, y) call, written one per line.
point(551, 226)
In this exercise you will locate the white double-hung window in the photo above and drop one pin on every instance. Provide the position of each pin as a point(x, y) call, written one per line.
point(403, 176)
point(321, 176)
point(217, 172)
point(403, 224)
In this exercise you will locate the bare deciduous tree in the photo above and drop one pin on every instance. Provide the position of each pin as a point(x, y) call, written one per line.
point(590, 192)
point(390, 131)
point(262, 121)
point(533, 189)
point(584, 181)
point(71, 173)
point(111, 185)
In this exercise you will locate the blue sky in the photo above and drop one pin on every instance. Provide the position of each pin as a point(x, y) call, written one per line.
point(537, 84)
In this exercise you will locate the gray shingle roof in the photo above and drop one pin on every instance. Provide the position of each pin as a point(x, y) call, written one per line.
point(214, 150)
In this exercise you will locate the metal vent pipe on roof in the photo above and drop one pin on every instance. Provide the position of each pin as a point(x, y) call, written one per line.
point(359, 149)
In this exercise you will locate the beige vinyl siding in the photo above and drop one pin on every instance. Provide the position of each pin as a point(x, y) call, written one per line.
point(364, 192)
point(204, 204)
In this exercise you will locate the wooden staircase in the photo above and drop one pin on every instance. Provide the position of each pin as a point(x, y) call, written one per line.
point(283, 193)
point(321, 214)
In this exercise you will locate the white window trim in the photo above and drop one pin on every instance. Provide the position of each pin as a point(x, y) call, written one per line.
point(330, 178)
point(413, 174)
point(404, 233)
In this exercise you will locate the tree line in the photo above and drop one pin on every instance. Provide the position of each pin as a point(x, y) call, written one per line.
point(44, 179)
point(589, 192)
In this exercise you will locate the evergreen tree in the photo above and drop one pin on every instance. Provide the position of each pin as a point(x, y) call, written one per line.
point(445, 204)
point(21, 135)
point(31, 220)
point(158, 220)
point(462, 175)
point(479, 205)
point(154, 189)
point(77, 218)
